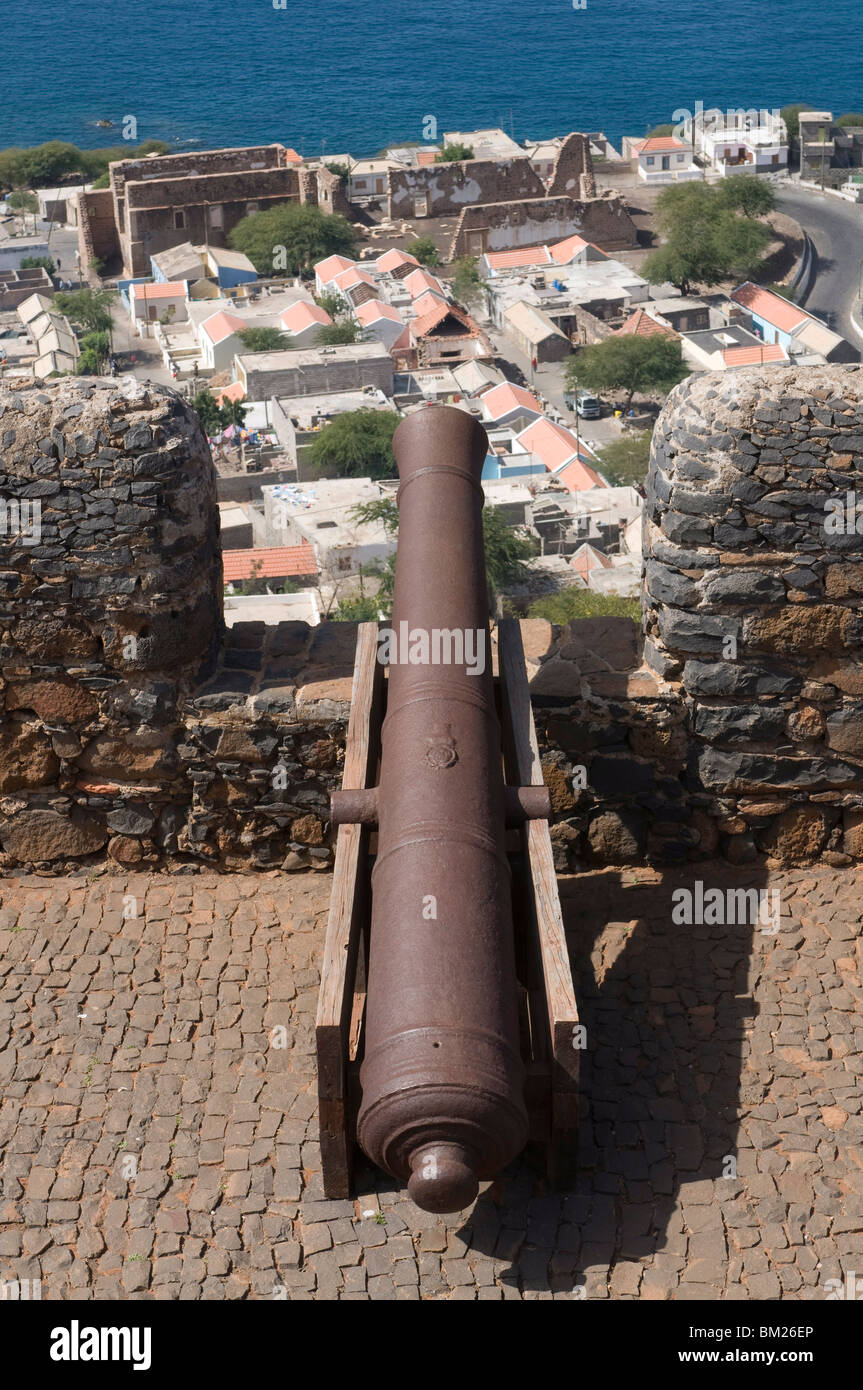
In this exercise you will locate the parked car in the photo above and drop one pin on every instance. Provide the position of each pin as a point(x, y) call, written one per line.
point(588, 406)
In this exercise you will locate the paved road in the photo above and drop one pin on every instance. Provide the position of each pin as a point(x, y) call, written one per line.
point(836, 228)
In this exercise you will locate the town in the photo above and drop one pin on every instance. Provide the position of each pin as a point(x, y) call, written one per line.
point(551, 289)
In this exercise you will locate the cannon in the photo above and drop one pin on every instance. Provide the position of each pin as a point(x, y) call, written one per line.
point(434, 1003)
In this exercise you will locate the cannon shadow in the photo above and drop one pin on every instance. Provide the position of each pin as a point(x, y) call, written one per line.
point(666, 1008)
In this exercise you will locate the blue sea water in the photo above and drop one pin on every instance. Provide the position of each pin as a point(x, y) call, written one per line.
point(352, 77)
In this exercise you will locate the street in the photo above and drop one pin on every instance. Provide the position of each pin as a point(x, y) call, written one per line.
point(836, 229)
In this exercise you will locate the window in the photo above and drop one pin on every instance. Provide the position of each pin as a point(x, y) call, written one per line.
point(680, 158)
point(179, 219)
point(252, 208)
point(217, 215)
point(650, 159)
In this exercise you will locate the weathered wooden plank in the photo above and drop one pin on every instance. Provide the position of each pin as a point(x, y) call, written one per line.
point(550, 937)
point(336, 1025)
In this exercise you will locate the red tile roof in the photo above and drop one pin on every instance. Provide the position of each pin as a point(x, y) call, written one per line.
point(301, 315)
point(164, 289)
point(427, 302)
point(419, 281)
point(221, 325)
point(503, 399)
point(394, 257)
point(552, 443)
point(234, 392)
point(273, 562)
point(328, 269)
point(642, 325)
point(663, 143)
point(778, 311)
point(352, 276)
point(578, 476)
point(563, 251)
point(422, 326)
point(426, 157)
point(519, 256)
point(375, 309)
point(753, 356)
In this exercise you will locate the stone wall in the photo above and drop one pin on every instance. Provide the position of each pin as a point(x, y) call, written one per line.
point(449, 187)
point(533, 221)
point(98, 237)
point(754, 601)
point(573, 169)
point(133, 726)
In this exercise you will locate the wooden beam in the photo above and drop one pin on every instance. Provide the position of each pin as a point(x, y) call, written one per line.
point(335, 1021)
point(550, 937)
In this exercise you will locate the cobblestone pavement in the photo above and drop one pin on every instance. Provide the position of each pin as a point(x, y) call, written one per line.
point(158, 1141)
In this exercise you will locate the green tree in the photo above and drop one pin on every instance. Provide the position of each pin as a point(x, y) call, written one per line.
point(748, 194)
point(570, 604)
point(705, 239)
point(90, 309)
point(361, 608)
point(659, 130)
point(23, 201)
point(336, 334)
point(425, 250)
point(233, 412)
point(331, 303)
point(450, 153)
point(291, 237)
point(506, 549)
point(791, 117)
point(786, 291)
point(34, 262)
point(208, 412)
point(357, 444)
point(467, 286)
point(630, 364)
point(624, 461)
point(265, 339)
point(95, 349)
point(851, 118)
point(103, 181)
point(342, 170)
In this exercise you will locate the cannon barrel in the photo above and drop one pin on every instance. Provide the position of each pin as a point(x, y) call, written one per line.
point(442, 1075)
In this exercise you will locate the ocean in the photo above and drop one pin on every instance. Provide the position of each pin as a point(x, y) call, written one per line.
point(342, 77)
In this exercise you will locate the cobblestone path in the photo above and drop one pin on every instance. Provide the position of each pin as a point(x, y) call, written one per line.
point(158, 1119)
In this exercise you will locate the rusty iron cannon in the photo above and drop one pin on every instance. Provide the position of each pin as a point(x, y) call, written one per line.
point(436, 1024)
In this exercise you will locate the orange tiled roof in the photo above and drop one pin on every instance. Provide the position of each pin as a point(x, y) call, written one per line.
point(374, 309)
point(394, 257)
point(519, 256)
point(302, 315)
point(551, 442)
point(221, 325)
point(502, 399)
point(642, 325)
point(419, 281)
point(352, 276)
point(274, 562)
point(662, 143)
point(427, 302)
point(234, 392)
point(780, 312)
point(426, 157)
point(422, 326)
point(328, 269)
point(752, 356)
point(165, 289)
point(563, 251)
point(578, 476)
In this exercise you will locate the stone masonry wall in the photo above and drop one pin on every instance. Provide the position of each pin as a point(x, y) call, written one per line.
point(753, 609)
point(133, 726)
point(528, 222)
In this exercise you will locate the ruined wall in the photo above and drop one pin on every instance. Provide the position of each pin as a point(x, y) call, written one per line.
point(450, 187)
point(329, 193)
point(98, 237)
point(504, 225)
point(573, 169)
point(147, 226)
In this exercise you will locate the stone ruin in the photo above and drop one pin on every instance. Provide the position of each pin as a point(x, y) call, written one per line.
point(137, 730)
